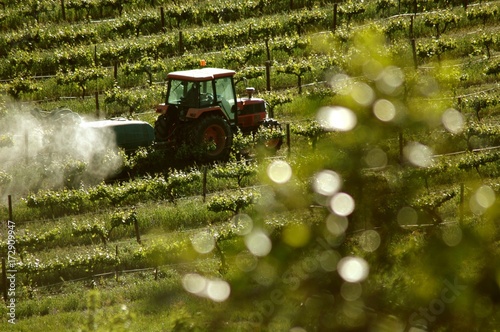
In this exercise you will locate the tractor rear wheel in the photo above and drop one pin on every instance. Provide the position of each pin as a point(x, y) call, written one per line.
point(213, 137)
point(161, 128)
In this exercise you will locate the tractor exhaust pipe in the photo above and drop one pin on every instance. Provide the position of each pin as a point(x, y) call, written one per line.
point(250, 92)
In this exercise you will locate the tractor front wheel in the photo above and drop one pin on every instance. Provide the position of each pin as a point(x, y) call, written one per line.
point(276, 132)
point(212, 137)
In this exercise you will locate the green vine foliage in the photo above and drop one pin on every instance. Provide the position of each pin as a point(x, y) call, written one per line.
point(248, 73)
point(275, 99)
point(94, 229)
point(146, 65)
point(80, 77)
point(61, 202)
point(479, 103)
point(297, 68)
point(394, 25)
point(102, 229)
point(487, 41)
point(95, 260)
point(475, 160)
point(483, 12)
point(238, 58)
point(238, 170)
point(435, 47)
point(312, 130)
point(162, 252)
point(440, 21)
point(128, 100)
point(351, 9)
point(493, 69)
point(234, 202)
point(157, 46)
point(32, 241)
point(21, 85)
point(430, 203)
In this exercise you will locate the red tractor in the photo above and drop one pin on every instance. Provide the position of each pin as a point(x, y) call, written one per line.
point(202, 112)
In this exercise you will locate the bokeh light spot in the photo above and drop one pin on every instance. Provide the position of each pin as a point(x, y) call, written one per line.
point(328, 260)
point(485, 196)
point(342, 204)
point(363, 94)
point(194, 283)
point(453, 121)
point(407, 216)
point(452, 235)
point(336, 224)
point(483, 307)
point(246, 261)
point(279, 171)
point(336, 118)
point(258, 243)
point(340, 82)
point(242, 223)
point(218, 290)
point(296, 235)
point(370, 240)
point(203, 242)
point(353, 269)
point(418, 154)
point(376, 157)
point(428, 86)
point(390, 80)
point(265, 273)
point(327, 182)
point(384, 110)
point(297, 329)
point(372, 69)
point(351, 291)
point(482, 199)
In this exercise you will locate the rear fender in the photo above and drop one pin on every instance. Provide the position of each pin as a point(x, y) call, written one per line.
point(161, 109)
point(196, 113)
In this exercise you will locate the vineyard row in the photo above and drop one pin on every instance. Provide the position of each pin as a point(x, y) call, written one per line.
point(153, 254)
point(212, 37)
point(179, 184)
point(190, 12)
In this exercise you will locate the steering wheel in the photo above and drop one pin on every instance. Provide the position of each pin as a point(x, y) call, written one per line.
point(209, 98)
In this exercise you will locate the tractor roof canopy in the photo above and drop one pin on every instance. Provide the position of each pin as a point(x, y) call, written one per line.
point(202, 74)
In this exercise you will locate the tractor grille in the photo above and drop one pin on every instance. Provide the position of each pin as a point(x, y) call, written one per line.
point(253, 108)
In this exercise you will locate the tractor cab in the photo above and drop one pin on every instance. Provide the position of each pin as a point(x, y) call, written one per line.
point(200, 91)
point(202, 110)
